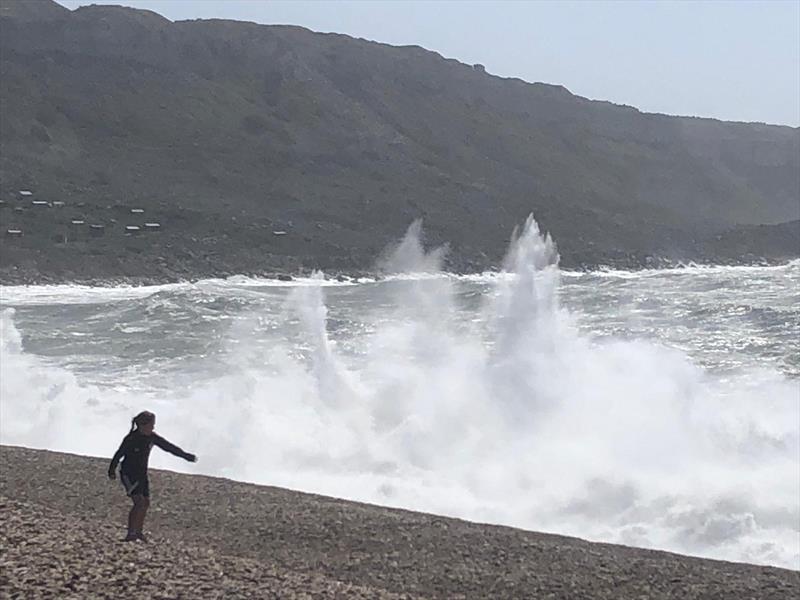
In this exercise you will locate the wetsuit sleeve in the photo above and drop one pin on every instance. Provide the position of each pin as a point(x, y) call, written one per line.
point(123, 448)
point(170, 447)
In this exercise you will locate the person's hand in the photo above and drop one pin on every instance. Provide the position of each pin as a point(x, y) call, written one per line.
point(112, 474)
point(191, 457)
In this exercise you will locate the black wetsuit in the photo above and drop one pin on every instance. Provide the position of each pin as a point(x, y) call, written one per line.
point(134, 452)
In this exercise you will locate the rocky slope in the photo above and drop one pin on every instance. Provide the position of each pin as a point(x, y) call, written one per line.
point(60, 526)
point(225, 132)
point(47, 554)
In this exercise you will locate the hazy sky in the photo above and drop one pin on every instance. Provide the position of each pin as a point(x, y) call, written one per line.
point(735, 60)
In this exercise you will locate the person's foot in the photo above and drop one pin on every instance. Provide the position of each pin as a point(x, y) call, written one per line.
point(131, 537)
point(140, 537)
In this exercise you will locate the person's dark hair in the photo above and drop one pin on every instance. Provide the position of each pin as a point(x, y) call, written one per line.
point(143, 418)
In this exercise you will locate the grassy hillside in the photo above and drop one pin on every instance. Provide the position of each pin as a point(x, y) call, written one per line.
point(212, 125)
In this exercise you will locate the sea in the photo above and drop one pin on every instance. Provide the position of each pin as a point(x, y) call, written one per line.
point(655, 408)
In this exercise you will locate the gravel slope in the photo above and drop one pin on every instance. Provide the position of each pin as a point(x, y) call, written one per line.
point(46, 556)
point(62, 521)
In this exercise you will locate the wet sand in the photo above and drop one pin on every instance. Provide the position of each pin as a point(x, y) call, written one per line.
point(61, 522)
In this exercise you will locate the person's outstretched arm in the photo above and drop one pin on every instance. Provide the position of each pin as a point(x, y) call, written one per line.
point(123, 448)
point(172, 448)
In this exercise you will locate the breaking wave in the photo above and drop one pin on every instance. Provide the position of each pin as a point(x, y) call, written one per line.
point(511, 416)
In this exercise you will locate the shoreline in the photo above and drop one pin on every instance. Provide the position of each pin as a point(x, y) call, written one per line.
point(321, 545)
point(358, 275)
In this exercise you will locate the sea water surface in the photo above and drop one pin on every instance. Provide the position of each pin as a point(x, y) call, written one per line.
point(654, 408)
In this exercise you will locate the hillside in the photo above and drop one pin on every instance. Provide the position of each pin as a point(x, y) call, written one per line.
point(224, 132)
point(61, 520)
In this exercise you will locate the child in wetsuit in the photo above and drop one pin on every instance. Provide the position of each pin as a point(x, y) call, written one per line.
point(134, 452)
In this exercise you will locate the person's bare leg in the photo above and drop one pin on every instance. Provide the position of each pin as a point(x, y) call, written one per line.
point(133, 516)
point(143, 505)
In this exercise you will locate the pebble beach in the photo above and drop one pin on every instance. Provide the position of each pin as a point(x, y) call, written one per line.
point(62, 521)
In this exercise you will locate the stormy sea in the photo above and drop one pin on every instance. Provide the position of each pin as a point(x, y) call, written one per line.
point(658, 408)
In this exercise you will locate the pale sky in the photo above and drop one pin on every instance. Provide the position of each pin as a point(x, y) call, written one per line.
point(732, 60)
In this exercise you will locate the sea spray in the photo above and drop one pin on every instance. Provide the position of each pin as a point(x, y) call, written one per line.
point(408, 393)
point(409, 254)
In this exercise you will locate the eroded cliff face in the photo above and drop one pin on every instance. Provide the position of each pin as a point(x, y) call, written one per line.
point(213, 126)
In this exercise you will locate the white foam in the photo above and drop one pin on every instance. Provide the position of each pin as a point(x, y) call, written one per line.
point(515, 418)
point(35, 295)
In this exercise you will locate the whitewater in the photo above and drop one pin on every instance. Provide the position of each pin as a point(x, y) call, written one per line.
point(656, 408)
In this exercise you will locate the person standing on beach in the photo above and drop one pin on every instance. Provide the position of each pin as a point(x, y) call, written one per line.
point(134, 451)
